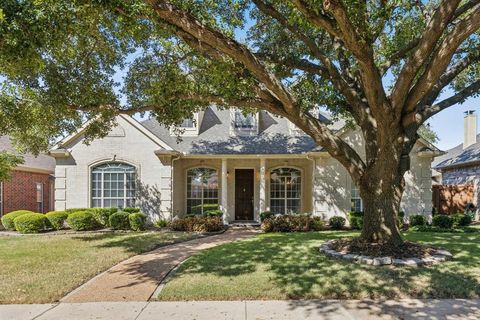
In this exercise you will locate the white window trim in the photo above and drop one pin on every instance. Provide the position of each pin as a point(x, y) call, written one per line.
point(234, 131)
point(202, 198)
point(355, 198)
point(285, 198)
point(187, 131)
point(40, 203)
point(102, 197)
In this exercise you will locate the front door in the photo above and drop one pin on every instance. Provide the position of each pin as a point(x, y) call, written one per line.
point(244, 194)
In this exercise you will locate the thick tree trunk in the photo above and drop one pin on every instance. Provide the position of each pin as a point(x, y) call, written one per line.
point(381, 209)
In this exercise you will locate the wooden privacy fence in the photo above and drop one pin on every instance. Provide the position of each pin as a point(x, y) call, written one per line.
point(452, 199)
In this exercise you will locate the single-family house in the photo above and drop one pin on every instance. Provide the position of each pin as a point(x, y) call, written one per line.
point(245, 163)
point(31, 185)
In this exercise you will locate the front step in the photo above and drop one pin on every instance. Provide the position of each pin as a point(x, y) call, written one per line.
point(253, 225)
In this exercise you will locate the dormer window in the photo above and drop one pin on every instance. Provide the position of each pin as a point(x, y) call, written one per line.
point(188, 127)
point(244, 124)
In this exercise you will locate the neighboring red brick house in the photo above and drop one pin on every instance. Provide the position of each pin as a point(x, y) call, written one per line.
point(32, 183)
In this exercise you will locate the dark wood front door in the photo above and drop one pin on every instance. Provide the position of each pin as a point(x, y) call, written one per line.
point(244, 194)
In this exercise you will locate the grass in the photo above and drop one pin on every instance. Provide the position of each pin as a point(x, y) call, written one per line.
point(41, 269)
point(289, 266)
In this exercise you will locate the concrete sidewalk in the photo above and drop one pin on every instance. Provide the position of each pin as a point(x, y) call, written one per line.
point(137, 278)
point(245, 310)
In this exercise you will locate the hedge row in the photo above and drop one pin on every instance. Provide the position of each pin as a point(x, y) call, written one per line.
point(79, 219)
point(292, 223)
point(197, 224)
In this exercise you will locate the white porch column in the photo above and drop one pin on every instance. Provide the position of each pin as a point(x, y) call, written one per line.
point(263, 185)
point(224, 198)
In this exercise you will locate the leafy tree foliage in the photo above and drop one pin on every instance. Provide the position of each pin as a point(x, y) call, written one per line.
point(382, 64)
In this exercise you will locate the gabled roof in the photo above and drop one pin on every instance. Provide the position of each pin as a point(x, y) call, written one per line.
point(457, 156)
point(41, 162)
point(65, 141)
point(214, 136)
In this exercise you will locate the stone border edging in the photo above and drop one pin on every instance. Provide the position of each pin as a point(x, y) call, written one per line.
point(437, 257)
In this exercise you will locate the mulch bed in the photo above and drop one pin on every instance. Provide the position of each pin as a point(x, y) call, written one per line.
point(407, 250)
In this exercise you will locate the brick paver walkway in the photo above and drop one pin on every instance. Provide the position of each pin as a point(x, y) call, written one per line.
point(137, 278)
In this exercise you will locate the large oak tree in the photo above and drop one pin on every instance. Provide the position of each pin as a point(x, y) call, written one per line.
point(381, 64)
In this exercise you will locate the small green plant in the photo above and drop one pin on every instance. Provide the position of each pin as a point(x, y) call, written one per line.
point(7, 220)
point(442, 221)
point(356, 219)
point(461, 220)
point(160, 223)
point(31, 223)
point(131, 210)
point(57, 219)
point(120, 221)
point(197, 224)
point(72, 210)
point(337, 222)
point(417, 220)
point(102, 215)
point(318, 224)
point(266, 214)
point(213, 213)
point(82, 221)
point(137, 221)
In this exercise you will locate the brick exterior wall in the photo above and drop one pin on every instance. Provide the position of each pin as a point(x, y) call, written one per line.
point(20, 193)
point(460, 175)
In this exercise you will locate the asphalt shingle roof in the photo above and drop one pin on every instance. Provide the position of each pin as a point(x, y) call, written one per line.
point(42, 161)
point(458, 156)
point(214, 136)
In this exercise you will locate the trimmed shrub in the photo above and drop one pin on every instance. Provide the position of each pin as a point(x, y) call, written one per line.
point(461, 220)
point(7, 220)
point(213, 213)
point(102, 215)
point(318, 224)
point(72, 210)
point(120, 221)
point(137, 221)
point(82, 221)
point(292, 223)
point(266, 214)
point(442, 221)
point(206, 207)
point(356, 219)
point(197, 224)
point(161, 223)
point(30, 223)
point(131, 210)
point(417, 220)
point(57, 219)
point(337, 222)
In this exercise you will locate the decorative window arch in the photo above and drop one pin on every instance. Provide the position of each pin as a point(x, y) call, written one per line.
point(113, 185)
point(285, 190)
point(202, 188)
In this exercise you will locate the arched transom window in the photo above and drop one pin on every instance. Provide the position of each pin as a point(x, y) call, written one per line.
point(285, 190)
point(113, 185)
point(202, 188)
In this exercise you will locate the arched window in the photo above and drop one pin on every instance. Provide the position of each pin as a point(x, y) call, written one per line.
point(202, 188)
point(285, 190)
point(113, 185)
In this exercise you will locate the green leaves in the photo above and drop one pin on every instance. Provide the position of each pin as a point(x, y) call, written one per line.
point(8, 161)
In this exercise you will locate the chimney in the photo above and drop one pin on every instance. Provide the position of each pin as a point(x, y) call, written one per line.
point(470, 128)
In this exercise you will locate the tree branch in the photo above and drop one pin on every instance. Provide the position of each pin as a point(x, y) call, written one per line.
point(442, 57)
point(169, 14)
point(459, 97)
point(317, 19)
point(435, 28)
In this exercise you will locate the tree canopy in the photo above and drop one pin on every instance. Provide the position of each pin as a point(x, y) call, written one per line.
point(381, 64)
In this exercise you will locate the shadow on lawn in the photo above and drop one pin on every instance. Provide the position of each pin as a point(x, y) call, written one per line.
point(302, 272)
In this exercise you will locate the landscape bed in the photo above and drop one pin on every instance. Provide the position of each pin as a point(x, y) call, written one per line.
point(290, 266)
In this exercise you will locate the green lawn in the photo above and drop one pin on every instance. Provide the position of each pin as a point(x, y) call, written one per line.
point(40, 269)
point(289, 266)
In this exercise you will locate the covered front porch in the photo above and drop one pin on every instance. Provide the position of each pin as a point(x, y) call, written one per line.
point(243, 185)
